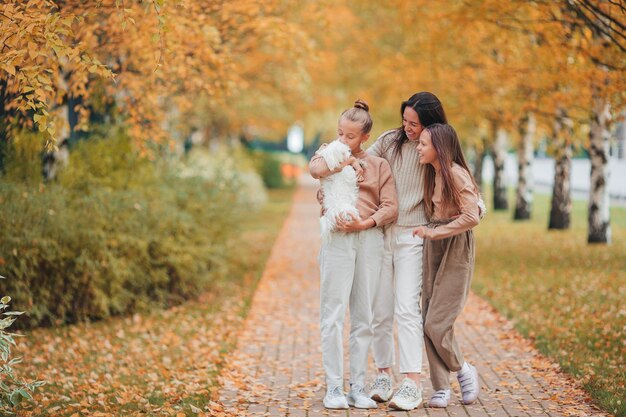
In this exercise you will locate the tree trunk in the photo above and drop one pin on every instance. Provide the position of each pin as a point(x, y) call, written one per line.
point(4, 138)
point(72, 118)
point(560, 212)
point(524, 193)
point(481, 152)
point(599, 219)
point(478, 167)
point(499, 156)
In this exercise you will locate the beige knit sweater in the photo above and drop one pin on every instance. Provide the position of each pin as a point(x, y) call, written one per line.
point(407, 174)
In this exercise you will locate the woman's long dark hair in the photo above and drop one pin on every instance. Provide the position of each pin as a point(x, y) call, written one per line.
point(429, 110)
point(448, 147)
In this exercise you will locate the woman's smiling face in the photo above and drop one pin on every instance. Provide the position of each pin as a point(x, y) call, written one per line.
point(426, 150)
point(411, 124)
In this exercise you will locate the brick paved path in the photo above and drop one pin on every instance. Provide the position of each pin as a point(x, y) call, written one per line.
point(277, 367)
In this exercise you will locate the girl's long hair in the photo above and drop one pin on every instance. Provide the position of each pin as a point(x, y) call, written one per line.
point(429, 110)
point(446, 143)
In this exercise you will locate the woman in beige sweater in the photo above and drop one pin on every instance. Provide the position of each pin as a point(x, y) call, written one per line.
point(350, 261)
point(400, 286)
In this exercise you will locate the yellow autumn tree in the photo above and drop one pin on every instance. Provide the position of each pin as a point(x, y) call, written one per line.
point(37, 48)
point(580, 73)
point(154, 62)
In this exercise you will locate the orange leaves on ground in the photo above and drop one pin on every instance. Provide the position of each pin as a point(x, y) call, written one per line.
point(164, 361)
point(558, 392)
point(565, 295)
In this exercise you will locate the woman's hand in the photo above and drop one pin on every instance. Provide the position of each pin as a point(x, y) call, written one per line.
point(420, 231)
point(353, 225)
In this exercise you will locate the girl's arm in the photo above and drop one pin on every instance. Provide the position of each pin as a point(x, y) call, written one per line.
point(353, 225)
point(387, 211)
point(319, 168)
point(388, 208)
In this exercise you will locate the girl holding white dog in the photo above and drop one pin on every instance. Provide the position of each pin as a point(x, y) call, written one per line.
point(351, 259)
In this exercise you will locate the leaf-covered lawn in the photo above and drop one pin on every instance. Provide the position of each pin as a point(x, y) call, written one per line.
point(158, 363)
point(564, 294)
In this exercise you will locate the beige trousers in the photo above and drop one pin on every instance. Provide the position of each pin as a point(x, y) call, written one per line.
point(398, 294)
point(448, 268)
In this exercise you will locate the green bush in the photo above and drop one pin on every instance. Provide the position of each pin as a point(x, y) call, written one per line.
point(22, 159)
point(268, 165)
point(12, 390)
point(118, 234)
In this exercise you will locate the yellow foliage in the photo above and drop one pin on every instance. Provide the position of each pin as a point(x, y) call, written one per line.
point(259, 65)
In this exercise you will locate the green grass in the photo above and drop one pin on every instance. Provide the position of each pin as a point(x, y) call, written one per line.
point(566, 295)
point(161, 362)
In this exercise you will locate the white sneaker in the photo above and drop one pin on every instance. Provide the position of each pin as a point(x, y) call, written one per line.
point(408, 397)
point(440, 399)
point(381, 388)
point(470, 386)
point(359, 399)
point(335, 399)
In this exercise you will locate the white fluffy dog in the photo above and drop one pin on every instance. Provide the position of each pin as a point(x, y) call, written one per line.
point(340, 189)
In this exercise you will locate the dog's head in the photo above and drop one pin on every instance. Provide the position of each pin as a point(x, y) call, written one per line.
point(335, 153)
point(345, 149)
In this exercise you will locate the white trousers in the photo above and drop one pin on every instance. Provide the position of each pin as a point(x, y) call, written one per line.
point(350, 268)
point(399, 291)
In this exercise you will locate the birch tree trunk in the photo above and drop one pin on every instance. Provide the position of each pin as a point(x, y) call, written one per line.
point(599, 219)
point(525, 185)
point(53, 160)
point(499, 155)
point(4, 117)
point(73, 118)
point(560, 211)
point(481, 152)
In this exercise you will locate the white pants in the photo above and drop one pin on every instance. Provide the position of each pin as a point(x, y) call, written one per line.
point(350, 268)
point(399, 291)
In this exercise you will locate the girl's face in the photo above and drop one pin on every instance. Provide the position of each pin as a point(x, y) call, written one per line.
point(351, 133)
point(411, 124)
point(426, 150)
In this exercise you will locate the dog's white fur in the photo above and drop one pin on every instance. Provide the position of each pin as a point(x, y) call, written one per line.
point(340, 189)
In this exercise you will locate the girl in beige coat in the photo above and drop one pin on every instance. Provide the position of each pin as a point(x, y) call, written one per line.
point(451, 201)
point(350, 261)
